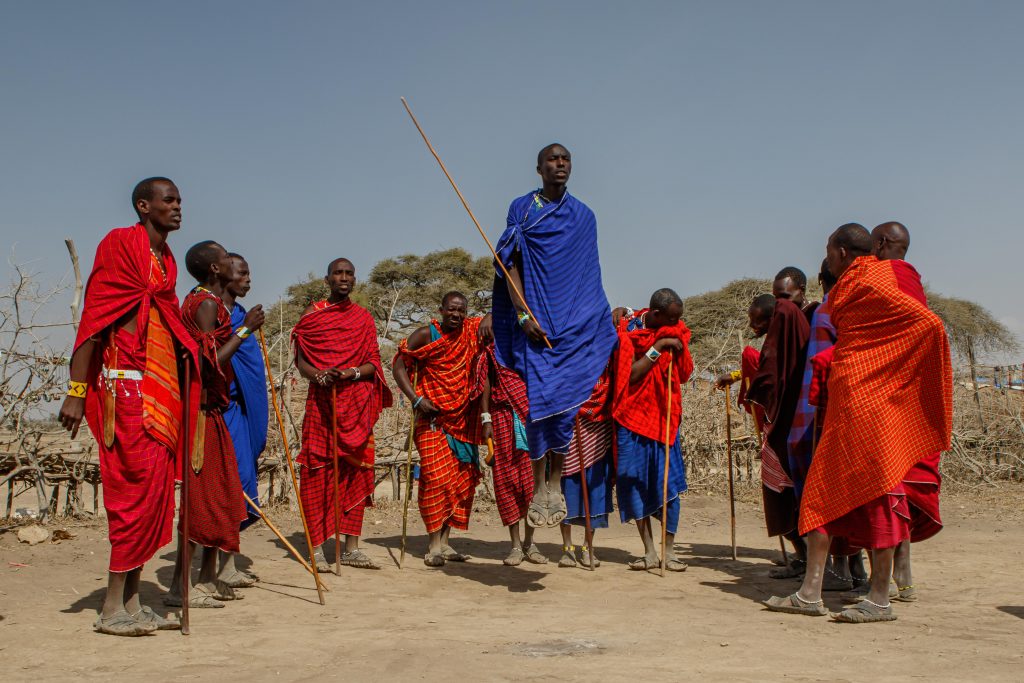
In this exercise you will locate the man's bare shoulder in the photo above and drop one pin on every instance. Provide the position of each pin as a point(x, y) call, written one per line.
point(419, 338)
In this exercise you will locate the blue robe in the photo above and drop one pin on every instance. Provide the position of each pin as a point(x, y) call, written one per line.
point(641, 474)
point(247, 413)
point(561, 272)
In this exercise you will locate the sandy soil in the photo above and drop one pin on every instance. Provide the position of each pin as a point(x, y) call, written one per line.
point(483, 621)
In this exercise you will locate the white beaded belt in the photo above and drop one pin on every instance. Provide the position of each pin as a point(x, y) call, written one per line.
point(122, 374)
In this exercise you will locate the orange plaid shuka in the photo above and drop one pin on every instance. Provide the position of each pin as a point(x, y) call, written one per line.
point(889, 393)
point(444, 370)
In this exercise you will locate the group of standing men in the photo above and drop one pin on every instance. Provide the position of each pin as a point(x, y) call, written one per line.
point(576, 405)
point(853, 400)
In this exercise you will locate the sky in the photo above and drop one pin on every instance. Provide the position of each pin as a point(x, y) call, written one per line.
point(713, 140)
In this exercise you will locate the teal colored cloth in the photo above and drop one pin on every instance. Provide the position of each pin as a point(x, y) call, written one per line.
point(464, 452)
point(520, 431)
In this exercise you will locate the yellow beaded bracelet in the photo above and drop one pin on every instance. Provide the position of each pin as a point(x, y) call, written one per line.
point(77, 389)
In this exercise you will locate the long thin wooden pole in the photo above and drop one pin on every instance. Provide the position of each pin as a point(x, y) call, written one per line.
point(277, 532)
point(186, 465)
point(589, 534)
point(728, 448)
point(465, 204)
point(337, 494)
point(408, 471)
point(668, 450)
point(291, 467)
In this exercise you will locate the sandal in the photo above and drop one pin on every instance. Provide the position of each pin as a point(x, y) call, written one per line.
point(223, 592)
point(198, 599)
point(795, 570)
point(537, 514)
point(865, 612)
point(674, 564)
point(585, 558)
point(568, 558)
point(642, 564)
point(359, 560)
point(434, 559)
point(794, 604)
point(240, 579)
point(148, 616)
point(121, 623)
point(515, 558)
point(451, 555)
point(322, 565)
point(558, 511)
point(534, 555)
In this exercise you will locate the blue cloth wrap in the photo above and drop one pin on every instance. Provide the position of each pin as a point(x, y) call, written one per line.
point(599, 495)
point(247, 413)
point(561, 276)
point(640, 476)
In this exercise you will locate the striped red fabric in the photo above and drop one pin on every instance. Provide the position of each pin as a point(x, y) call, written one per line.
point(355, 490)
point(446, 485)
point(512, 471)
point(340, 335)
point(889, 393)
point(445, 370)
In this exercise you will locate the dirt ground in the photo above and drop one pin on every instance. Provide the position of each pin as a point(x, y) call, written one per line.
point(484, 621)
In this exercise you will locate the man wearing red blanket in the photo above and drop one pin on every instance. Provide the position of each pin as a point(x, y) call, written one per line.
point(889, 401)
point(336, 350)
point(641, 369)
point(125, 381)
point(923, 481)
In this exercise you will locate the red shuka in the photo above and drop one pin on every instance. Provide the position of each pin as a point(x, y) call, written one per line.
point(640, 407)
point(889, 393)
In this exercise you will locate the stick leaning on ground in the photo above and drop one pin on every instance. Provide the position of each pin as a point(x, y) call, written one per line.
point(185, 548)
point(668, 450)
point(728, 448)
point(588, 531)
point(320, 588)
point(408, 471)
point(465, 204)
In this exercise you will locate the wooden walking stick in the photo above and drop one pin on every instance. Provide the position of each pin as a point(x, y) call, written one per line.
point(588, 531)
point(668, 448)
point(277, 532)
point(185, 550)
point(508, 278)
point(408, 470)
point(728, 449)
point(337, 495)
point(320, 588)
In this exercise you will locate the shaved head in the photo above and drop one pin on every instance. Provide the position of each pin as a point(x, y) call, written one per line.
point(891, 241)
point(330, 266)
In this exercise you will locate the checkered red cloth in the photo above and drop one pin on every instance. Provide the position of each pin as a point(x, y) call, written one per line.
point(355, 490)
point(215, 503)
point(513, 473)
point(341, 335)
point(445, 374)
point(446, 485)
point(216, 377)
point(890, 393)
point(749, 360)
point(923, 483)
point(640, 407)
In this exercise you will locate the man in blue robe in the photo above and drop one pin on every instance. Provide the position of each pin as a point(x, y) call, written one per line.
point(549, 248)
point(247, 413)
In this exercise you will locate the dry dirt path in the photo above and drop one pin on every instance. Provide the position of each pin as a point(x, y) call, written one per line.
point(484, 621)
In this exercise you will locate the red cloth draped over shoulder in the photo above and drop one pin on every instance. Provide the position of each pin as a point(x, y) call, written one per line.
point(446, 376)
point(121, 283)
point(341, 335)
point(889, 393)
point(640, 407)
point(216, 377)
